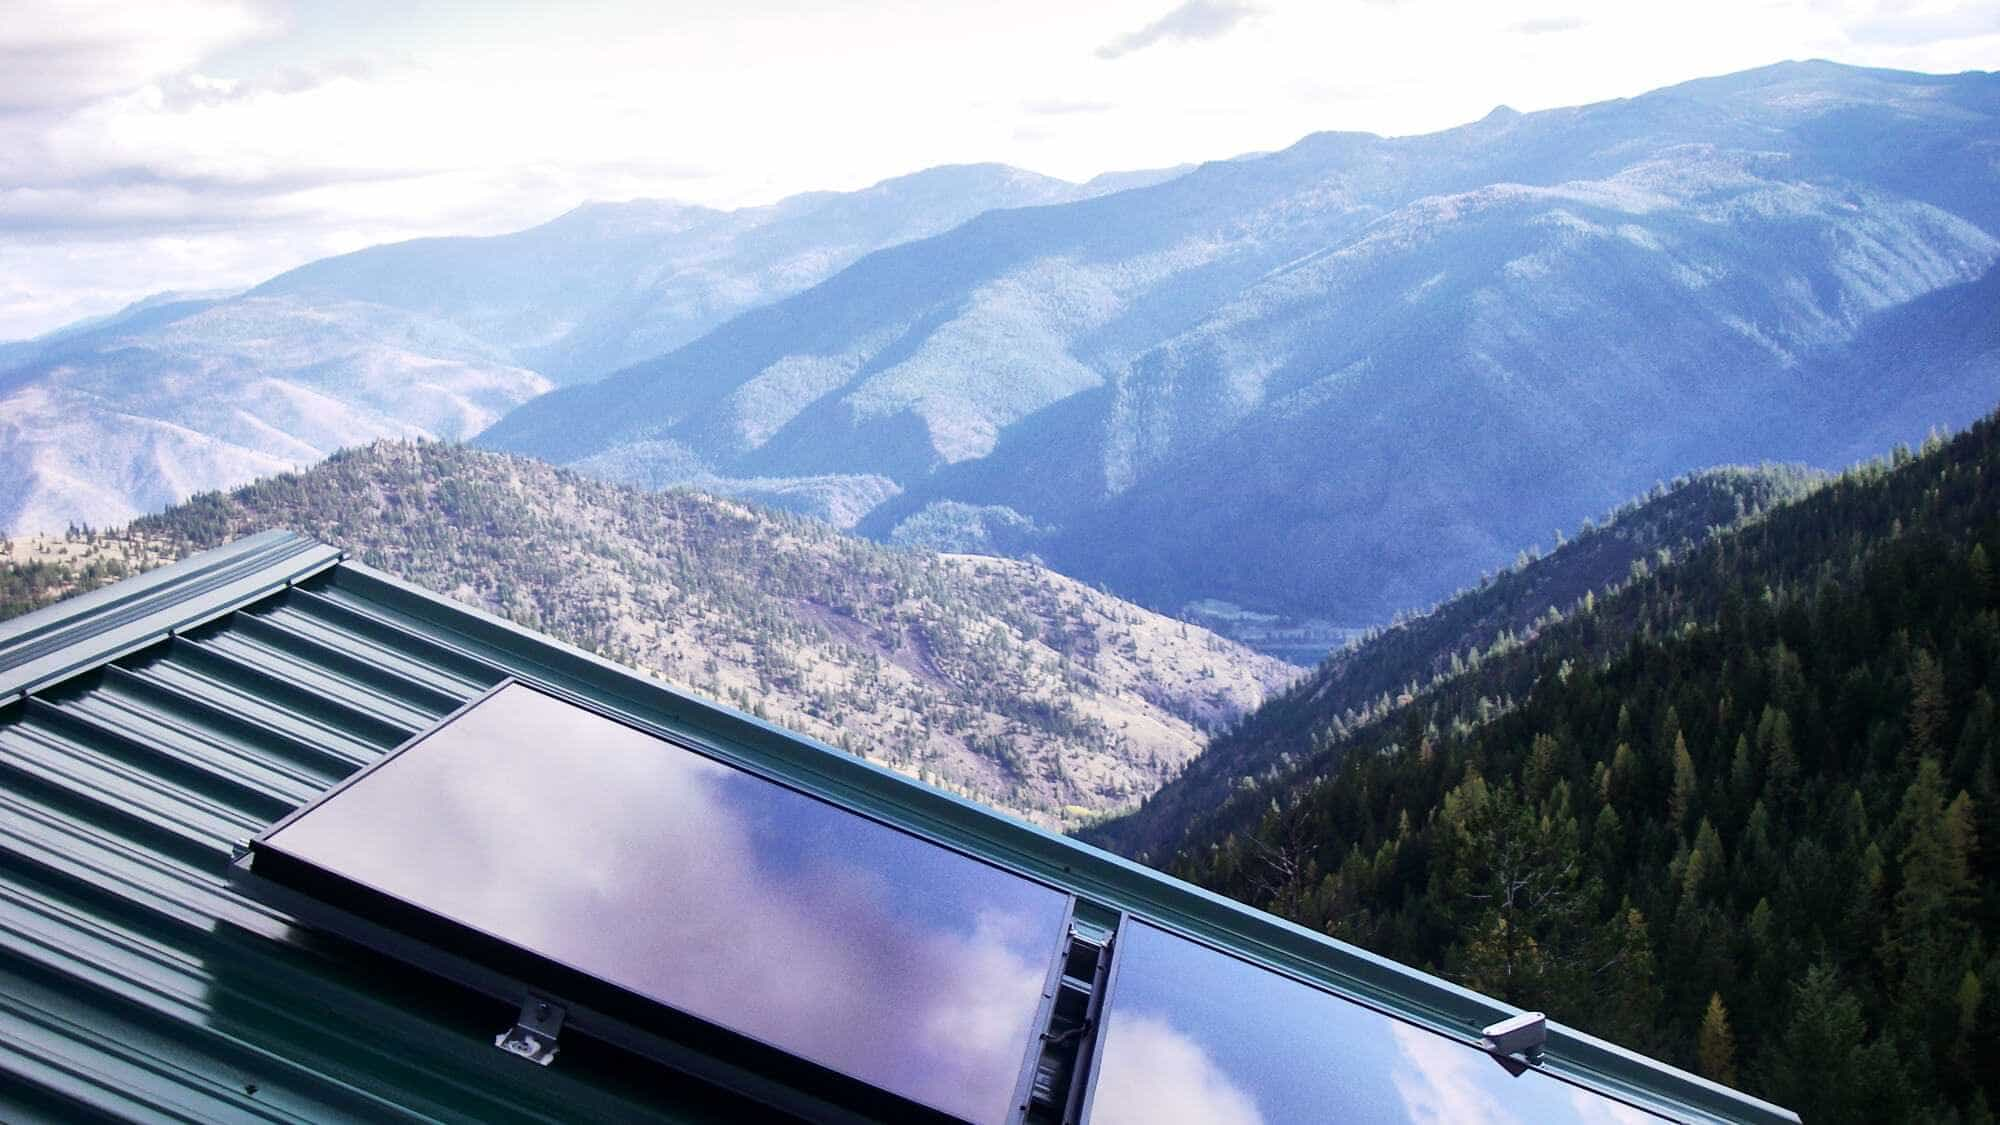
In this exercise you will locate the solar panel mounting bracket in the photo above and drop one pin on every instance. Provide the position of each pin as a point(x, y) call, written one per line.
point(1063, 1048)
point(1522, 1036)
point(533, 1036)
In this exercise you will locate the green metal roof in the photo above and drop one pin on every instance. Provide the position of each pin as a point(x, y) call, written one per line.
point(149, 729)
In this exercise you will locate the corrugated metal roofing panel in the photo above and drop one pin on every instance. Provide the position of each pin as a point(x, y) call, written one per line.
point(135, 983)
point(150, 728)
point(58, 641)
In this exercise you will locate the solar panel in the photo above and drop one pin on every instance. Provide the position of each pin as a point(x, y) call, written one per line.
point(1194, 1035)
point(677, 879)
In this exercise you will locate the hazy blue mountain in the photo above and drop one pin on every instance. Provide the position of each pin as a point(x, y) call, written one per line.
point(187, 396)
point(1935, 357)
point(1348, 377)
point(159, 308)
point(609, 284)
point(119, 415)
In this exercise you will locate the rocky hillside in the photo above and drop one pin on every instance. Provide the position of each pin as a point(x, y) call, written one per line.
point(995, 678)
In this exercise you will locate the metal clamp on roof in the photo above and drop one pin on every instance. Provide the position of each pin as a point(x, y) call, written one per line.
point(1521, 1035)
point(533, 1036)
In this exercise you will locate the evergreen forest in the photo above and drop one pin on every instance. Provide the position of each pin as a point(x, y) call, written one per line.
point(1742, 812)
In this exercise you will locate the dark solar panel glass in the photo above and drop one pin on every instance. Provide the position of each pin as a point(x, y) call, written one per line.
point(1195, 1035)
point(709, 889)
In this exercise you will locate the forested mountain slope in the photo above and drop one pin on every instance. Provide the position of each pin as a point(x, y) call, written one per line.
point(1374, 367)
point(989, 676)
point(1742, 814)
point(1371, 677)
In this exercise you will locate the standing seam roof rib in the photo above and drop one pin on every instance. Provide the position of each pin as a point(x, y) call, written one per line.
point(149, 729)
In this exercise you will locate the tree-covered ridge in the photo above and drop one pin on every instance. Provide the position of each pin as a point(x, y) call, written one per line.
point(36, 570)
point(1732, 815)
point(1367, 678)
point(991, 677)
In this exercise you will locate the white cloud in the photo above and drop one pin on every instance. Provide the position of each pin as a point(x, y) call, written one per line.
point(272, 135)
point(55, 55)
point(1193, 21)
point(1061, 106)
point(1546, 25)
point(1917, 25)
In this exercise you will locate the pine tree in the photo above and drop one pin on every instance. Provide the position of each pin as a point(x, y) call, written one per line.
point(1633, 994)
point(1809, 1070)
point(1682, 798)
point(1715, 1044)
point(1936, 870)
point(1927, 713)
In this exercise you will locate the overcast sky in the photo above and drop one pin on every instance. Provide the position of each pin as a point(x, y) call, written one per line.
point(196, 144)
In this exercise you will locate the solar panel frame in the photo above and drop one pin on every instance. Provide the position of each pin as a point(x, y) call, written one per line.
point(766, 1072)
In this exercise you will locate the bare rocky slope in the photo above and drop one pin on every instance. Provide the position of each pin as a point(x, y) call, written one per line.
point(991, 677)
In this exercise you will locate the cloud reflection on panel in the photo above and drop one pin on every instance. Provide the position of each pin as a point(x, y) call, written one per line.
point(1444, 1083)
point(711, 890)
point(1195, 1035)
point(1155, 1075)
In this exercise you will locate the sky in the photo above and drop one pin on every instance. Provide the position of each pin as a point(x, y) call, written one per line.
point(207, 144)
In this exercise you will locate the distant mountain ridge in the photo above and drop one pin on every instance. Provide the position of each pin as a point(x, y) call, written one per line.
point(123, 414)
point(1371, 367)
point(190, 395)
point(609, 284)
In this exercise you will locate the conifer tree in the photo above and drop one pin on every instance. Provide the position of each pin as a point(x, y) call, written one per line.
point(1715, 1044)
point(1682, 798)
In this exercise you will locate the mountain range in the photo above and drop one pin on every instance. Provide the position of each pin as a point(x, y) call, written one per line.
point(437, 337)
point(1373, 367)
